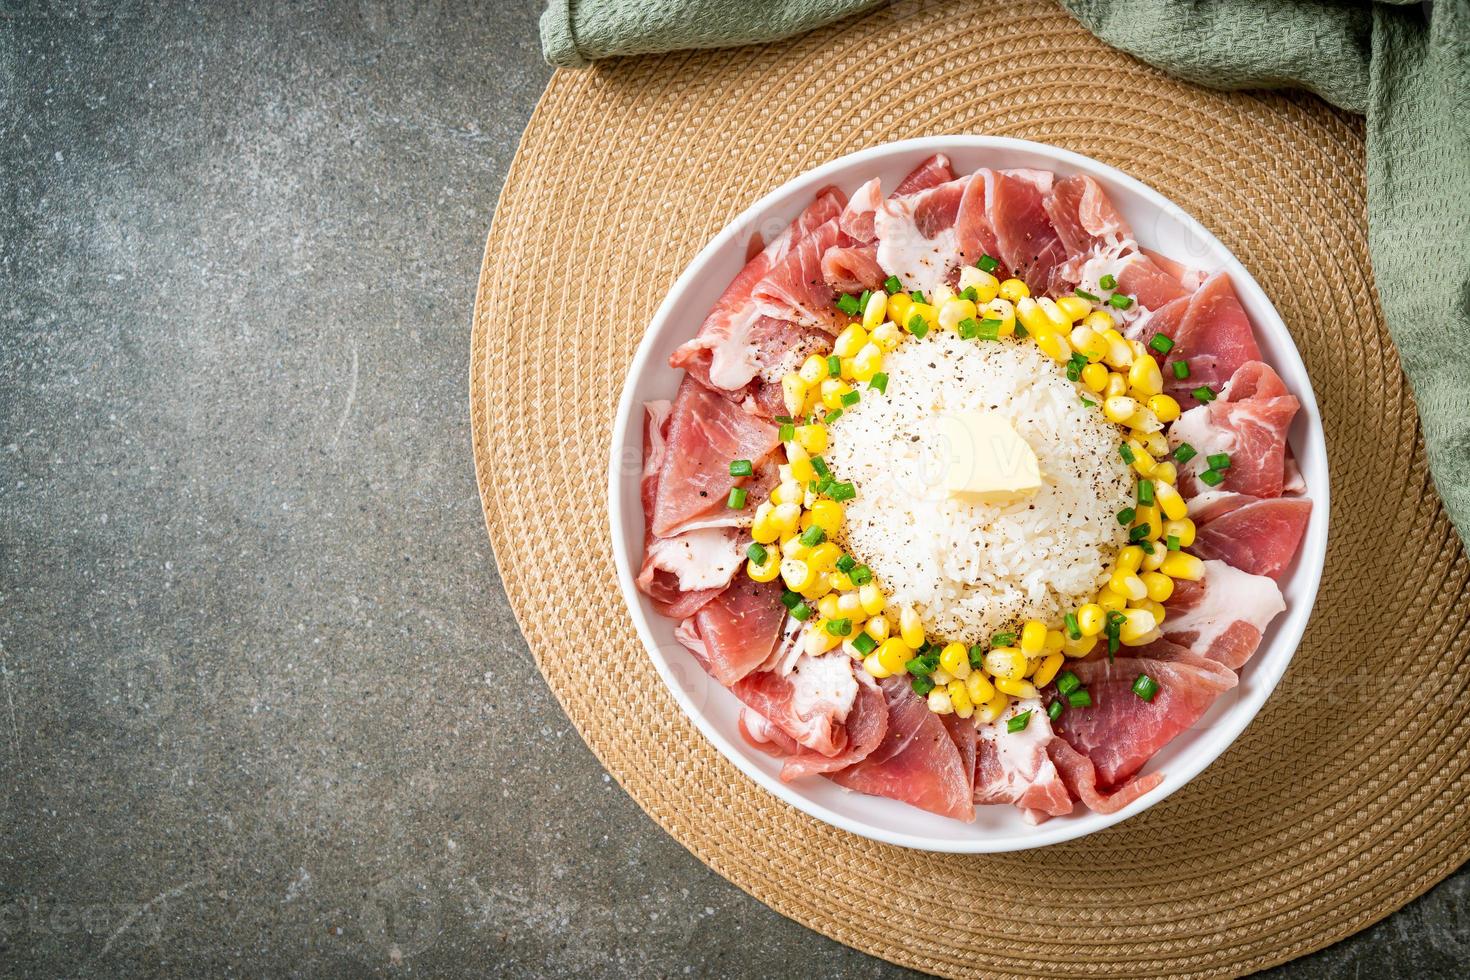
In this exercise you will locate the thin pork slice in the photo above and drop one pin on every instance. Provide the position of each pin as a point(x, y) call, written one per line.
point(810, 704)
point(733, 633)
point(705, 433)
point(916, 235)
point(1214, 338)
point(853, 268)
point(931, 173)
point(1085, 220)
point(1080, 777)
point(1121, 731)
point(1222, 616)
point(796, 289)
point(1248, 423)
point(724, 354)
point(1152, 286)
point(857, 217)
point(1256, 535)
point(1030, 247)
point(864, 726)
point(916, 763)
point(1013, 767)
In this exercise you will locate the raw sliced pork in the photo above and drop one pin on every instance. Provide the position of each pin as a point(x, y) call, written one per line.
point(1255, 534)
point(796, 289)
point(1222, 616)
point(735, 631)
point(1014, 767)
point(864, 728)
point(1248, 422)
point(809, 704)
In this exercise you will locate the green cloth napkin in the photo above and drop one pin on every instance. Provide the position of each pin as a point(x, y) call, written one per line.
point(1405, 65)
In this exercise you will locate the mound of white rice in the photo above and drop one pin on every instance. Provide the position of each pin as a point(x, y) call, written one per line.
point(974, 569)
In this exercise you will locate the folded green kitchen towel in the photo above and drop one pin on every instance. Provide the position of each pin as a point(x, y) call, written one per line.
point(1405, 65)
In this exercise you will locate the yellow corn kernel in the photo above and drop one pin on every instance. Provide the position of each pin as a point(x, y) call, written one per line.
point(874, 666)
point(1165, 407)
point(1095, 376)
point(876, 309)
point(812, 438)
point(1089, 343)
point(813, 369)
point(867, 362)
point(793, 393)
point(940, 295)
point(979, 688)
point(1119, 408)
point(850, 340)
point(827, 514)
point(1073, 308)
point(1002, 311)
point(1155, 443)
point(1016, 688)
point(951, 313)
point(872, 598)
point(1111, 601)
point(849, 606)
point(1048, 669)
point(832, 391)
point(924, 311)
point(955, 658)
point(1156, 609)
point(1137, 625)
point(817, 641)
point(893, 653)
point(960, 698)
point(1116, 385)
point(1169, 500)
point(1035, 318)
point(939, 702)
point(1053, 345)
point(1090, 619)
point(1145, 377)
point(941, 676)
point(1099, 320)
point(787, 517)
point(764, 571)
point(1127, 584)
point(1033, 637)
point(1080, 647)
point(821, 585)
point(788, 492)
point(1012, 290)
point(910, 627)
point(1179, 565)
point(791, 547)
point(1143, 461)
point(898, 308)
point(1152, 560)
point(1054, 640)
point(1181, 528)
point(992, 709)
point(1120, 354)
point(763, 528)
point(801, 463)
point(1006, 662)
point(823, 557)
point(1145, 514)
point(986, 286)
point(877, 627)
point(840, 580)
point(1160, 586)
point(1130, 557)
point(1166, 472)
point(827, 607)
point(796, 573)
point(886, 336)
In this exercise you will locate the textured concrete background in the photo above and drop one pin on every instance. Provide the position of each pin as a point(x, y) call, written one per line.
point(263, 707)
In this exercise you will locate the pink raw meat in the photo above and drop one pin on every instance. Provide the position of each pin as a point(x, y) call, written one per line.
point(1248, 423)
point(1256, 535)
point(1221, 617)
point(734, 632)
point(814, 724)
point(795, 288)
point(1214, 338)
point(865, 726)
point(1080, 777)
point(1013, 767)
point(853, 268)
point(1083, 216)
point(1029, 246)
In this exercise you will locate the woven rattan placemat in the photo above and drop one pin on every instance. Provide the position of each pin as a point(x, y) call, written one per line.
point(1342, 801)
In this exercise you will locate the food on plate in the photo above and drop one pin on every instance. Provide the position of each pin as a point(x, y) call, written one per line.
point(968, 497)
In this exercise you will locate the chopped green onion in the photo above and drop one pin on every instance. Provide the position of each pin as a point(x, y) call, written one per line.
point(846, 564)
point(1108, 282)
point(1126, 515)
point(1088, 296)
point(1080, 698)
point(1120, 302)
point(1145, 492)
point(820, 465)
point(1068, 682)
point(861, 575)
point(891, 285)
point(864, 643)
point(1147, 546)
point(1173, 542)
point(813, 536)
point(736, 500)
point(968, 328)
point(1184, 452)
point(863, 300)
point(1054, 710)
point(920, 666)
point(921, 685)
point(989, 330)
point(1212, 478)
point(851, 398)
point(741, 467)
point(1002, 639)
point(1138, 533)
point(1022, 331)
point(1073, 630)
point(977, 656)
point(843, 491)
point(879, 383)
point(970, 293)
point(1145, 687)
point(801, 612)
point(1218, 461)
point(788, 432)
point(1181, 369)
point(1126, 452)
point(834, 365)
point(848, 304)
point(918, 297)
point(1088, 401)
point(1204, 393)
point(757, 553)
point(839, 627)
point(782, 419)
point(987, 264)
point(1018, 723)
point(1161, 343)
point(832, 416)
point(1074, 373)
point(790, 599)
point(917, 326)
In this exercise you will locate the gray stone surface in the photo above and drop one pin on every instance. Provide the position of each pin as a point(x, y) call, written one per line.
point(263, 707)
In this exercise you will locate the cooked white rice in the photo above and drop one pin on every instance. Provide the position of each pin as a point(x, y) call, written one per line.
point(974, 569)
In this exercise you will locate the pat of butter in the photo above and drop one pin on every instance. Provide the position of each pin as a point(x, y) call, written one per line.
point(985, 460)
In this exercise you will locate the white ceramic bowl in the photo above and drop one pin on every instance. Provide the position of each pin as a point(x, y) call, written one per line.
point(1158, 224)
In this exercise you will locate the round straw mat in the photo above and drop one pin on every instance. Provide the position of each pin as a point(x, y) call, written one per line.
point(1342, 801)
